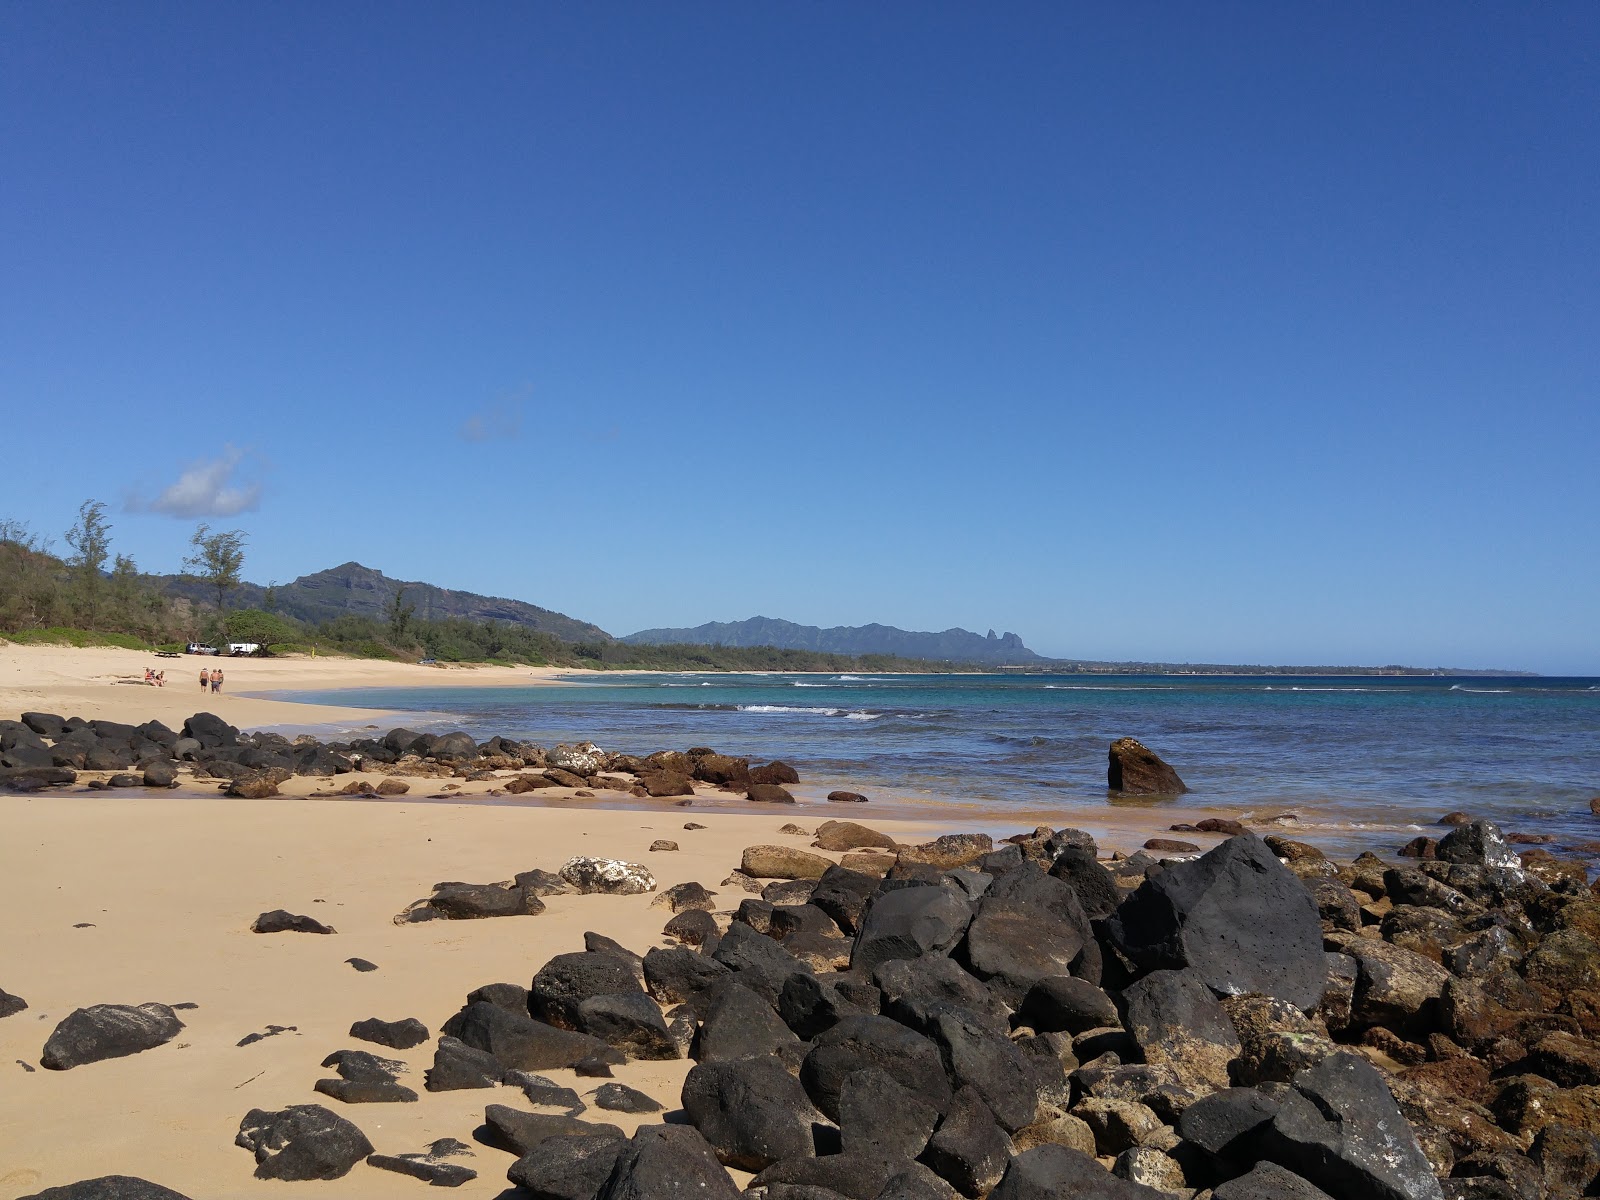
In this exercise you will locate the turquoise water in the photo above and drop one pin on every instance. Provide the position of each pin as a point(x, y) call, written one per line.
point(1343, 752)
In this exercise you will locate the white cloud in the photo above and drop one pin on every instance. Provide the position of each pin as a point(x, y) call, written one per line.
point(205, 489)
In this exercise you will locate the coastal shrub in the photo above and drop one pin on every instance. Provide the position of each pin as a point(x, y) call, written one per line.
point(60, 635)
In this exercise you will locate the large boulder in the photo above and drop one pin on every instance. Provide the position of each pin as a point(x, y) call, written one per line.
point(1029, 927)
point(810, 1004)
point(681, 976)
point(969, 1150)
point(1237, 916)
point(783, 862)
point(848, 835)
point(475, 901)
point(947, 852)
point(522, 1043)
point(1176, 1022)
point(878, 1116)
point(583, 759)
point(917, 990)
point(722, 771)
point(458, 1067)
point(752, 1111)
point(843, 894)
point(856, 1043)
point(668, 1162)
point(567, 980)
point(760, 963)
point(108, 1187)
point(211, 731)
point(1395, 987)
point(1338, 1126)
point(910, 922)
point(1059, 1003)
point(1136, 770)
point(976, 1057)
point(608, 876)
point(566, 1167)
point(303, 1141)
point(105, 1031)
point(741, 1024)
point(1481, 844)
point(1096, 887)
point(518, 1132)
point(630, 1022)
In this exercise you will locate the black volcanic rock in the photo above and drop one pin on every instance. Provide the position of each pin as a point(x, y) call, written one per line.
point(303, 1141)
point(523, 1043)
point(104, 1031)
point(751, 1111)
point(1136, 770)
point(1339, 1127)
point(108, 1187)
point(661, 1162)
point(1237, 916)
point(907, 1057)
point(566, 1167)
point(397, 1035)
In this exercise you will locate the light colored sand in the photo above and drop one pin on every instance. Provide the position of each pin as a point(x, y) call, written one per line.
point(169, 883)
point(171, 886)
point(107, 683)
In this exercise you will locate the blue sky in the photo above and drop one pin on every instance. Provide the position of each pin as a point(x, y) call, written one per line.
point(1236, 332)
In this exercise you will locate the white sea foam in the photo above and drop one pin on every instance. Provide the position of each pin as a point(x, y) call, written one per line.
point(815, 712)
point(789, 708)
point(1456, 687)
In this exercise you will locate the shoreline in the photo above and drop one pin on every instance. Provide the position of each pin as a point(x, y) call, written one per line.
point(139, 895)
point(107, 683)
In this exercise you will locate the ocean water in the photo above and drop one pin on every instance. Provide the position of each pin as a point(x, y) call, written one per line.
point(1359, 758)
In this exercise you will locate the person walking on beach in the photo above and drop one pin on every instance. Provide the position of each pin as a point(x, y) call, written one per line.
point(205, 678)
point(216, 680)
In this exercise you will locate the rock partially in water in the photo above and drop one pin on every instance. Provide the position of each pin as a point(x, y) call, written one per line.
point(1136, 770)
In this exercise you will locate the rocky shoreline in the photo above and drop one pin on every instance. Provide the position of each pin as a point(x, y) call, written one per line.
point(879, 1020)
point(42, 751)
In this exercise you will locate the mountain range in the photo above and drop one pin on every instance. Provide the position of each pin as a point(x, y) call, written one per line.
point(952, 645)
point(355, 590)
point(352, 589)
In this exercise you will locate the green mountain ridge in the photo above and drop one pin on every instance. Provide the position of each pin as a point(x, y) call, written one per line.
point(351, 589)
point(950, 645)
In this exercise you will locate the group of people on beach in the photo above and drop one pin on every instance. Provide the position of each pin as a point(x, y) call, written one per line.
point(155, 678)
point(212, 677)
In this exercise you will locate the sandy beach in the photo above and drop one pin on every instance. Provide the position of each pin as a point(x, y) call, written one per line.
point(165, 890)
point(107, 682)
point(134, 896)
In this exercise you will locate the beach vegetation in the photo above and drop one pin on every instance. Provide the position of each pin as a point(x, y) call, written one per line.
point(216, 558)
point(262, 628)
point(61, 635)
point(90, 538)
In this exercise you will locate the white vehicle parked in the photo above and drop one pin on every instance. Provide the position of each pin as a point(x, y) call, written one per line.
point(240, 649)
